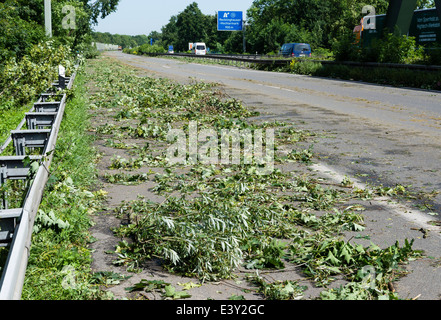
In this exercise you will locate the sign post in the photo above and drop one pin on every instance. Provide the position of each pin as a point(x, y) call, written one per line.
point(231, 21)
point(48, 17)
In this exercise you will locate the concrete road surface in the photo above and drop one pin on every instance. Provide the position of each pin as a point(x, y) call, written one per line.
point(376, 134)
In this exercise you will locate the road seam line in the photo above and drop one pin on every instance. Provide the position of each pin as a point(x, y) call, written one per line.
point(410, 214)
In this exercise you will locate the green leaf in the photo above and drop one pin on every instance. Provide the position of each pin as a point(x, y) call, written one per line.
point(346, 255)
point(34, 167)
point(331, 258)
point(149, 284)
point(189, 285)
point(333, 269)
point(288, 289)
point(170, 292)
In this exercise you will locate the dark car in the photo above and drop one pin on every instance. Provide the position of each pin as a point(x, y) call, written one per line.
point(296, 50)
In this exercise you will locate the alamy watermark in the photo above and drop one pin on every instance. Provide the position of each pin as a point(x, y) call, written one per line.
point(368, 277)
point(69, 20)
point(69, 281)
point(369, 20)
point(229, 146)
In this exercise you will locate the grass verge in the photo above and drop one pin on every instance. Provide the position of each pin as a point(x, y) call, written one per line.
point(59, 263)
point(429, 80)
point(9, 120)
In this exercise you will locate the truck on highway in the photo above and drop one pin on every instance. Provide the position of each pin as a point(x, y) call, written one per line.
point(199, 48)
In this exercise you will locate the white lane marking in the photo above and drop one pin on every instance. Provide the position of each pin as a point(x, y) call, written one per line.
point(410, 214)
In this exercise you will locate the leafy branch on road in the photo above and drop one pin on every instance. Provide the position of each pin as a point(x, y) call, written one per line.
point(217, 218)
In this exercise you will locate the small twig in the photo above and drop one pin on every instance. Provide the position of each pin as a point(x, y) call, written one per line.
point(417, 297)
point(238, 287)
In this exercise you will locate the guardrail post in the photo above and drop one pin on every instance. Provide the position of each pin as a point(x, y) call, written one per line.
point(20, 146)
point(40, 120)
point(13, 168)
point(2, 183)
point(8, 223)
point(31, 139)
point(47, 106)
point(61, 77)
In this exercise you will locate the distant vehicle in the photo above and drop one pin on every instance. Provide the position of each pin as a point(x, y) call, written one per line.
point(296, 50)
point(199, 48)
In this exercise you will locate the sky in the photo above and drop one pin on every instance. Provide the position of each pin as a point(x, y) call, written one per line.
point(136, 17)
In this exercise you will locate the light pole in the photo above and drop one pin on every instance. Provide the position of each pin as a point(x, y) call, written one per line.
point(48, 17)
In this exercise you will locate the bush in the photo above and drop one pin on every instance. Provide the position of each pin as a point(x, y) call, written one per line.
point(304, 67)
point(345, 48)
point(433, 56)
point(21, 80)
point(389, 49)
point(323, 54)
point(398, 49)
point(87, 50)
point(147, 48)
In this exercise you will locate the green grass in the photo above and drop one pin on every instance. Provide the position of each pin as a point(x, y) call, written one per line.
point(9, 120)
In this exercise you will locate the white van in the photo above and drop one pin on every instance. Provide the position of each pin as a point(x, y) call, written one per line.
point(199, 48)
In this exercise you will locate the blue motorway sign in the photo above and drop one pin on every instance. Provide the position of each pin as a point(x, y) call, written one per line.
point(230, 21)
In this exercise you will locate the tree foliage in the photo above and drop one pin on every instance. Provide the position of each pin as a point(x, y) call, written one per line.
point(270, 23)
point(191, 26)
point(27, 57)
point(124, 41)
point(274, 22)
point(16, 34)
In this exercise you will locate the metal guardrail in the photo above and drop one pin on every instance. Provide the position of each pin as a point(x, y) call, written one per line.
point(43, 123)
point(280, 61)
point(259, 59)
